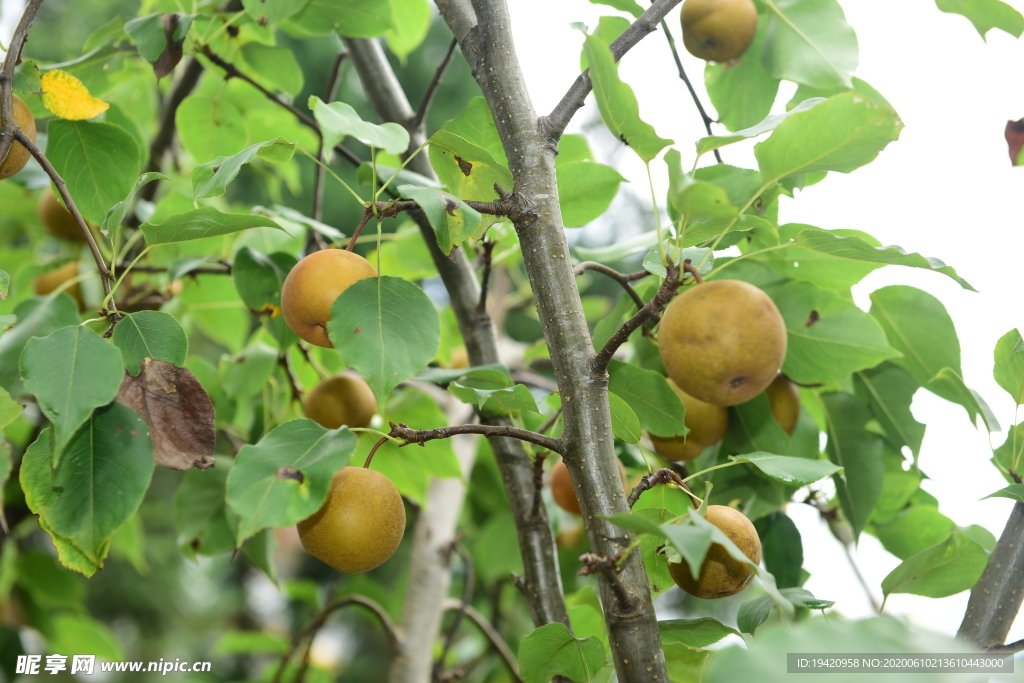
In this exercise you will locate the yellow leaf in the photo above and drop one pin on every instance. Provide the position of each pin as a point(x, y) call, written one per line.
point(67, 97)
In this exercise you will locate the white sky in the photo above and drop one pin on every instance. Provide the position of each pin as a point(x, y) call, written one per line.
point(945, 189)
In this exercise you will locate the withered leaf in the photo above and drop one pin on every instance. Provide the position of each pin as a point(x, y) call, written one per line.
point(178, 411)
point(172, 54)
point(1015, 139)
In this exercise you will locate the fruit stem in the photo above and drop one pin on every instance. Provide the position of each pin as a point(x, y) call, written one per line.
point(369, 458)
point(359, 228)
point(662, 476)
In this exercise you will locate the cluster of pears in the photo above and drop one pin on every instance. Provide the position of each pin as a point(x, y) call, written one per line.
point(722, 343)
point(18, 156)
point(718, 30)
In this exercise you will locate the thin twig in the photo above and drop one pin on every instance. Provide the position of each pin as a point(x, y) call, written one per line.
point(626, 602)
point(689, 86)
point(599, 363)
point(320, 619)
point(622, 278)
point(467, 595)
point(304, 350)
point(428, 96)
point(488, 250)
point(296, 387)
point(662, 476)
point(226, 270)
point(493, 636)
point(11, 60)
point(105, 277)
point(359, 228)
point(538, 481)
point(1009, 648)
point(373, 451)
point(688, 267)
point(550, 421)
point(421, 436)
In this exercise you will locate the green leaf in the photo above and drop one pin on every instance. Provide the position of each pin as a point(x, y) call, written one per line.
point(986, 15)
point(655, 507)
point(150, 334)
point(115, 216)
point(809, 41)
point(212, 178)
point(658, 407)
point(149, 35)
point(696, 633)
point(496, 401)
point(495, 373)
point(339, 120)
point(625, 423)
point(585, 190)
point(284, 478)
point(453, 226)
point(695, 198)
point(5, 285)
point(244, 375)
point(205, 523)
point(259, 550)
point(1009, 366)
point(387, 329)
point(831, 247)
point(250, 642)
point(551, 650)
point(790, 471)
point(607, 30)
point(742, 93)
point(49, 584)
point(945, 569)
point(1013, 492)
point(637, 523)
point(200, 223)
point(274, 65)
point(412, 21)
point(829, 337)
point(98, 161)
point(888, 390)
point(919, 327)
point(475, 123)
point(467, 170)
point(210, 128)
point(111, 452)
point(690, 543)
point(841, 134)
point(754, 612)
point(858, 452)
point(753, 428)
point(272, 11)
point(618, 104)
point(10, 409)
point(71, 372)
point(76, 634)
point(258, 278)
point(628, 6)
point(914, 530)
point(782, 548)
point(770, 123)
point(129, 543)
point(349, 18)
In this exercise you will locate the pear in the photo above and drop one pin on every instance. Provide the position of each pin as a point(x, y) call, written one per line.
point(561, 487)
point(707, 424)
point(718, 30)
point(720, 575)
point(312, 286)
point(18, 155)
point(345, 399)
point(785, 401)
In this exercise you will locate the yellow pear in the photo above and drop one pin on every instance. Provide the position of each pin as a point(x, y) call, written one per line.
point(312, 286)
point(722, 342)
point(720, 575)
point(341, 400)
point(707, 424)
point(460, 359)
point(18, 156)
point(57, 219)
point(561, 486)
point(785, 401)
point(718, 30)
point(360, 524)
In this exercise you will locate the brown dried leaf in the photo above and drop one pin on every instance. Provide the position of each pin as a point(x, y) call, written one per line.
point(172, 54)
point(178, 411)
point(1015, 139)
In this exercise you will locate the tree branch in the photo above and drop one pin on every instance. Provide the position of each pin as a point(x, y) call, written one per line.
point(487, 251)
point(627, 603)
point(490, 51)
point(662, 476)
point(553, 125)
point(313, 238)
point(493, 636)
point(428, 96)
point(315, 624)
point(467, 595)
point(689, 86)
point(996, 598)
point(599, 364)
point(421, 436)
point(621, 278)
point(11, 60)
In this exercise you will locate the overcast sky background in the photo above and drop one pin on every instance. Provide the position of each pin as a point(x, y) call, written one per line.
point(945, 188)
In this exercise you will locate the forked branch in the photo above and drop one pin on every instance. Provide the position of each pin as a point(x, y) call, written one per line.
point(421, 436)
point(662, 476)
point(626, 602)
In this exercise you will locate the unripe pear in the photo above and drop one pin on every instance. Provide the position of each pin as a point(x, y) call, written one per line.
point(785, 401)
point(312, 286)
point(720, 575)
point(48, 282)
point(18, 155)
point(707, 424)
point(561, 486)
point(341, 400)
point(359, 526)
point(718, 30)
point(722, 342)
point(460, 359)
point(57, 219)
